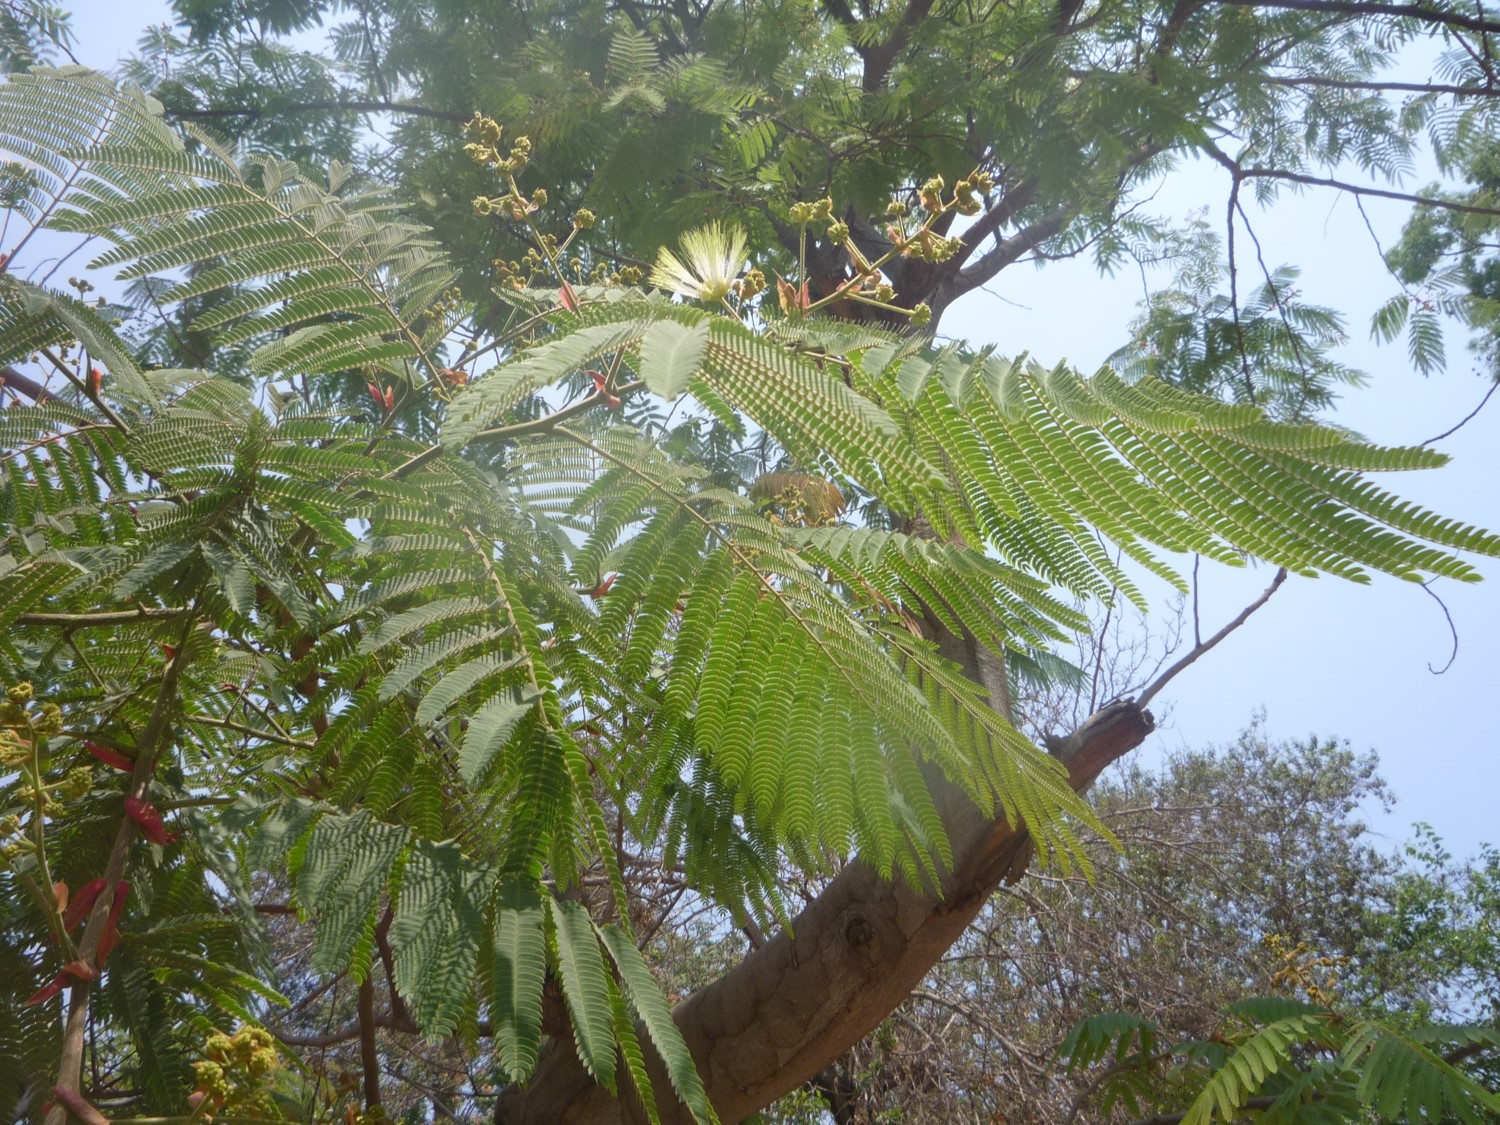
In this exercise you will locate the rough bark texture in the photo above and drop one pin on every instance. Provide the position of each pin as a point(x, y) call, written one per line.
point(795, 1005)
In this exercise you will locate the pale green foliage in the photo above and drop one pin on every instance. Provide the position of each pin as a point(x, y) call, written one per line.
point(423, 712)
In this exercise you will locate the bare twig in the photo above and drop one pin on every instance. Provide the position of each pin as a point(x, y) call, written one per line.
point(1421, 12)
point(1199, 649)
point(335, 105)
point(1467, 418)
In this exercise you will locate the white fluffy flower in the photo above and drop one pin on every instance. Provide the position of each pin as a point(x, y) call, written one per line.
point(712, 257)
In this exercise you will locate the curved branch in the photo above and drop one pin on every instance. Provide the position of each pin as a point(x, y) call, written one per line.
point(1291, 177)
point(1452, 628)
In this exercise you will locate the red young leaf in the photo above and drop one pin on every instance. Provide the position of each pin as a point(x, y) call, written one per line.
point(83, 903)
point(145, 815)
point(111, 758)
point(111, 936)
point(48, 991)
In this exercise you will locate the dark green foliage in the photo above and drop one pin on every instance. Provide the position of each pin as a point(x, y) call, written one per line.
point(428, 667)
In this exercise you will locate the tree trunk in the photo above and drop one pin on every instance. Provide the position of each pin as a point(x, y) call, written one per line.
point(796, 1004)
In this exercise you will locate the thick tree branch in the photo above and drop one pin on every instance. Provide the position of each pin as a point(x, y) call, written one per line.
point(794, 1006)
point(1009, 250)
point(369, 1054)
point(13, 380)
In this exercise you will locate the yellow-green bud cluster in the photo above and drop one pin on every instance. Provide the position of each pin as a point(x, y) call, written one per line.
point(751, 285)
point(584, 219)
point(78, 781)
point(931, 194)
point(929, 247)
point(964, 199)
point(486, 150)
point(838, 233)
point(13, 751)
point(234, 1071)
point(921, 315)
point(50, 721)
point(820, 211)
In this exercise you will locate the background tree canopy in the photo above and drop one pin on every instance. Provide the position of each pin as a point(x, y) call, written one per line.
point(417, 627)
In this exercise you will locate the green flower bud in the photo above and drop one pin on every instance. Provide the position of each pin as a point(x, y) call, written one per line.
point(78, 781)
point(51, 721)
point(921, 315)
point(21, 693)
point(584, 219)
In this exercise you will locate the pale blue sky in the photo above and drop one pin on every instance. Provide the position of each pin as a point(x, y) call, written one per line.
point(1324, 656)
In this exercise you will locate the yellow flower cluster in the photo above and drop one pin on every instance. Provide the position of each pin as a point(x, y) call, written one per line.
point(1302, 970)
point(236, 1073)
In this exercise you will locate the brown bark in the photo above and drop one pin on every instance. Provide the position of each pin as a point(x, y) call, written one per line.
point(795, 1005)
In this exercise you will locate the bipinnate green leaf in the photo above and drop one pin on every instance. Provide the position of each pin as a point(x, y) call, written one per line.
point(485, 399)
point(585, 985)
point(342, 867)
point(650, 1004)
point(436, 933)
point(1258, 1058)
point(631, 1053)
point(519, 971)
point(670, 355)
point(1402, 1079)
point(489, 729)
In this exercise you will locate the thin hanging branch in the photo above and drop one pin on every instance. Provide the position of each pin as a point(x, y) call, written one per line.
point(1452, 628)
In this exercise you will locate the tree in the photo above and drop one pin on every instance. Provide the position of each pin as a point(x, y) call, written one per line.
point(657, 115)
point(460, 655)
point(1243, 867)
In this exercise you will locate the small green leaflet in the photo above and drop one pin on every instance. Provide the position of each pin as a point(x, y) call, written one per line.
point(670, 355)
point(489, 730)
point(580, 966)
point(520, 969)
